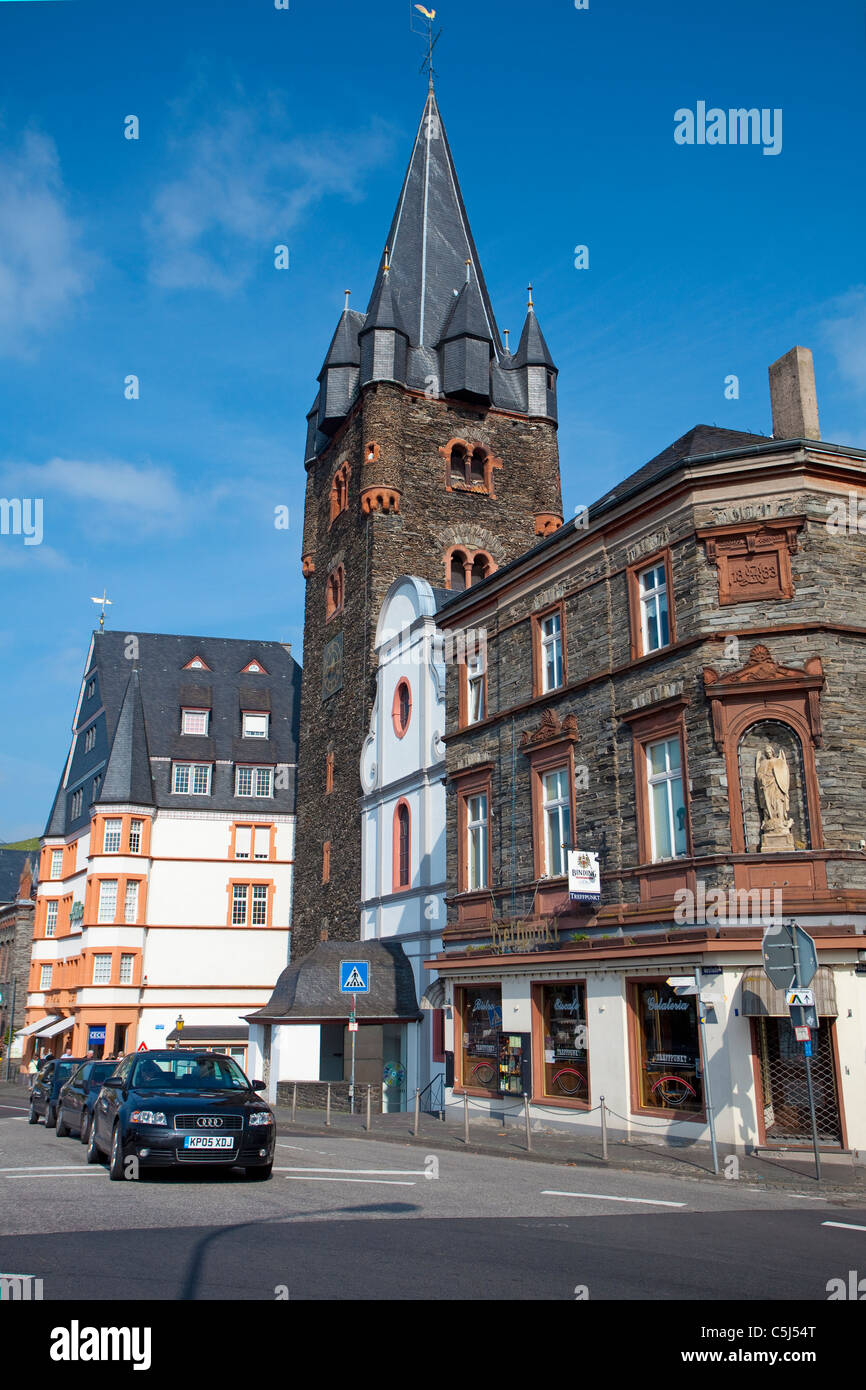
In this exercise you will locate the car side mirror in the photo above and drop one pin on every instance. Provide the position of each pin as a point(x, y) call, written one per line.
point(258, 1085)
point(116, 1080)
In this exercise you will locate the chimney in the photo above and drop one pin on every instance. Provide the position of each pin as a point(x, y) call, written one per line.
point(793, 398)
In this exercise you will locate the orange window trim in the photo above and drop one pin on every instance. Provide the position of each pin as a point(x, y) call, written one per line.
point(401, 729)
point(472, 783)
point(251, 883)
point(538, 691)
point(396, 884)
point(545, 760)
point(668, 723)
point(326, 862)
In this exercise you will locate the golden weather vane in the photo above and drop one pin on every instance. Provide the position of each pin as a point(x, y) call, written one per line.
point(106, 602)
point(429, 16)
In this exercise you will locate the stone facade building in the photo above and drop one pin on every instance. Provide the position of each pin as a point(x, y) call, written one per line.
point(672, 683)
point(431, 451)
point(16, 936)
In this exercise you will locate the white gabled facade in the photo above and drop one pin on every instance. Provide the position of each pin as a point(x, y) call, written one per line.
point(403, 783)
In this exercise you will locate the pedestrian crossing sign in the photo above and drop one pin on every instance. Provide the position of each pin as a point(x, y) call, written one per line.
point(354, 977)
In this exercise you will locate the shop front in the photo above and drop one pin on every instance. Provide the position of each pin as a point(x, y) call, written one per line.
point(666, 1065)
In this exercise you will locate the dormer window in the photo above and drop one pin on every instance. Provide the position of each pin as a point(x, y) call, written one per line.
point(255, 724)
point(194, 721)
point(91, 689)
point(90, 739)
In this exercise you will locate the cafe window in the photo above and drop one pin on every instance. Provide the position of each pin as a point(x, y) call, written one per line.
point(669, 1073)
point(480, 1012)
point(566, 1054)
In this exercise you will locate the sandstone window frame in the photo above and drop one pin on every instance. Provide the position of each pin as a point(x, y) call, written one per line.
point(472, 681)
point(477, 781)
point(475, 461)
point(661, 722)
point(539, 642)
point(635, 607)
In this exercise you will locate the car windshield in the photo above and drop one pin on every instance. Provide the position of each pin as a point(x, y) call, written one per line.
point(64, 1068)
point(98, 1071)
point(188, 1072)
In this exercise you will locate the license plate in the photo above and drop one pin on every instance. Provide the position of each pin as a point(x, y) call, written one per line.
point(205, 1141)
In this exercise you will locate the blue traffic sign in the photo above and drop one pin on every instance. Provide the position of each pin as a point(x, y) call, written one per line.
point(354, 977)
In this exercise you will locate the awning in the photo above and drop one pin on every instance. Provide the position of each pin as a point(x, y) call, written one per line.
point(761, 999)
point(36, 1027)
point(61, 1026)
point(434, 996)
point(200, 1033)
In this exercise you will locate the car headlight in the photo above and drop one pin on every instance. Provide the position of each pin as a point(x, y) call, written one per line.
point(148, 1117)
point(261, 1117)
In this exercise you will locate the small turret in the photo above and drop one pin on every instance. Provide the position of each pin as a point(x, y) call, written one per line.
point(339, 376)
point(384, 340)
point(466, 345)
point(533, 357)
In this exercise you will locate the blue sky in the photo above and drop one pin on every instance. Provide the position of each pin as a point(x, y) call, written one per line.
point(261, 126)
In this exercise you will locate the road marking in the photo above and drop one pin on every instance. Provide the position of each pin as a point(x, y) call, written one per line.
point(4, 1106)
point(807, 1197)
point(374, 1182)
point(843, 1225)
point(371, 1172)
point(601, 1197)
point(79, 1173)
point(302, 1148)
point(50, 1167)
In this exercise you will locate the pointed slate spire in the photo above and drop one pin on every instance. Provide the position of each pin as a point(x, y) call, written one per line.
point(384, 339)
point(127, 776)
point(431, 240)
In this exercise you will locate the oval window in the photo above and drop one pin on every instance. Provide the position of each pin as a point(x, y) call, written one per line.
point(402, 707)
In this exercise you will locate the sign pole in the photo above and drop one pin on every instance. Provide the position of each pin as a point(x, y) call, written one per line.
point(352, 1082)
point(708, 1099)
point(807, 1049)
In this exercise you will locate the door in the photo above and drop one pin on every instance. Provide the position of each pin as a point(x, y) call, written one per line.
point(785, 1096)
point(394, 1067)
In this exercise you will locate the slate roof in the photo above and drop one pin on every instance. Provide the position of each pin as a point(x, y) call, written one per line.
point(135, 708)
point(12, 862)
point(424, 294)
point(310, 987)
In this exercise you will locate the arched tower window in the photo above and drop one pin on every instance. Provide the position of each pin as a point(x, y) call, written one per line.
point(402, 847)
point(478, 467)
point(459, 457)
point(481, 567)
point(456, 571)
point(335, 592)
point(402, 709)
point(340, 490)
point(463, 568)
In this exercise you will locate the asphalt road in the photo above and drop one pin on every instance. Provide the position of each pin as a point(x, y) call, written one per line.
point(356, 1219)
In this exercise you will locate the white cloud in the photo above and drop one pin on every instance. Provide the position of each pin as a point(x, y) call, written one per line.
point(44, 267)
point(240, 189)
point(140, 497)
point(845, 332)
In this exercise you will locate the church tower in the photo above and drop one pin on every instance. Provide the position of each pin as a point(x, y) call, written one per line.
point(431, 451)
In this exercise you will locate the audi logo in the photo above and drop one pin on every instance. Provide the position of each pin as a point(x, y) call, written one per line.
point(206, 1122)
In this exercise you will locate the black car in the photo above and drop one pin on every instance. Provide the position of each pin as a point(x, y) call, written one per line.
point(77, 1096)
point(45, 1091)
point(177, 1108)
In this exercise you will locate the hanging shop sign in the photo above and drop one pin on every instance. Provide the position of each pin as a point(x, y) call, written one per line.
point(584, 876)
point(509, 937)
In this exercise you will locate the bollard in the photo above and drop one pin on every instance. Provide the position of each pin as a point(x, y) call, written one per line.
point(603, 1129)
point(369, 1121)
point(528, 1127)
point(328, 1106)
point(294, 1101)
point(417, 1111)
point(465, 1119)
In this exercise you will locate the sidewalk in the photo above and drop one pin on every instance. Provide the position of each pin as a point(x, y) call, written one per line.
point(791, 1171)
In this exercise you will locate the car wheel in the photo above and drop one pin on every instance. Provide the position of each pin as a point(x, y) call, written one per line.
point(84, 1132)
point(260, 1174)
point(94, 1154)
point(62, 1126)
point(115, 1161)
point(51, 1117)
point(33, 1116)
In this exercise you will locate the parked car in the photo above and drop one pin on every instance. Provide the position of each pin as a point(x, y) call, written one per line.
point(45, 1091)
point(168, 1109)
point(77, 1096)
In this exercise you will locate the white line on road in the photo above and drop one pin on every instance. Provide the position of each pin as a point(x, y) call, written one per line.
point(79, 1173)
point(843, 1225)
point(375, 1182)
point(601, 1197)
point(302, 1148)
point(370, 1172)
point(46, 1167)
point(4, 1106)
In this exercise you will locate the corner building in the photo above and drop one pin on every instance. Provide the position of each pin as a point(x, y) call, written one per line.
point(431, 451)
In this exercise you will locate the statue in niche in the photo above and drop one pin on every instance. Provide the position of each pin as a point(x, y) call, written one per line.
point(774, 782)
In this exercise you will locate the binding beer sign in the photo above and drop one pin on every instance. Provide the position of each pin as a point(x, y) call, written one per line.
point(584, 876)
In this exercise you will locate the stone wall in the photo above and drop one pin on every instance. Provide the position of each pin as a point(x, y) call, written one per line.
point(312, 1095)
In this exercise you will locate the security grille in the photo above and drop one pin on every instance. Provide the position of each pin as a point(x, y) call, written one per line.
point(783, 1081)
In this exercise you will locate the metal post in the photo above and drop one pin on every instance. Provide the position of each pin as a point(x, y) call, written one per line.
point(352, 1082)
point(808, 1060)
point(528, 1126)
point(417, 1111)
point(11, 1028)
point(603, 1130)
point(328, 1106)
point(708, 1100)
point(369, 1093)
point(465, 1118)
point(294, 1101)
